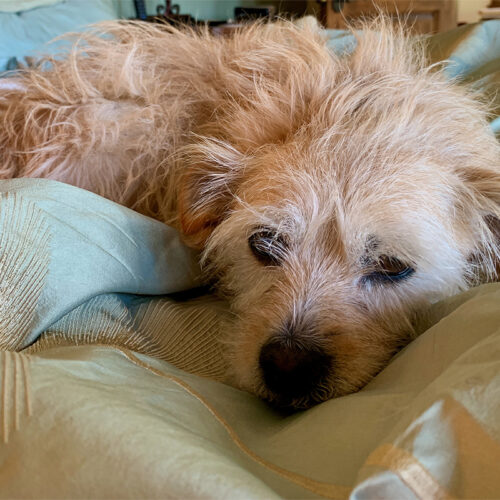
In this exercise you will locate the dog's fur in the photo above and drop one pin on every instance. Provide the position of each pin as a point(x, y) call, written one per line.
point(332, 161)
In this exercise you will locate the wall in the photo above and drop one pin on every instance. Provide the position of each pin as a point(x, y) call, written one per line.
point(467, 10)
point(208, 9)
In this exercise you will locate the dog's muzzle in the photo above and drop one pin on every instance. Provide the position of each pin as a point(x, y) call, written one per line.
point(291, 370)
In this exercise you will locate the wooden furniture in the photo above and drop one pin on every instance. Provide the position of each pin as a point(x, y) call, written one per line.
point(492, 12)
point(424, 16)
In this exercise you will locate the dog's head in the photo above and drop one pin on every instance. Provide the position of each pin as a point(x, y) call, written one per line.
point(333, 199)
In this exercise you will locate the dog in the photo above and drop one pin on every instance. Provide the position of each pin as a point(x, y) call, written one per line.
point(333, 198)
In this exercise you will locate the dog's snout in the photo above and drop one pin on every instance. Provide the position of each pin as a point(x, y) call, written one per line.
point(292, 370)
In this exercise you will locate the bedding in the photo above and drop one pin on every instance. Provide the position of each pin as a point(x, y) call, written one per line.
point(26, 26)
point(112, 376)
point(109, 394)
point(22, 5)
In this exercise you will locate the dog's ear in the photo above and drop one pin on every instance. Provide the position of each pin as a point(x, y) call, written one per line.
point(482, 194)
point(211, 170)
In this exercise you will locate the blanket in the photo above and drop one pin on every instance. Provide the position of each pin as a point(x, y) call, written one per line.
point(112, 374)
point(105, 394)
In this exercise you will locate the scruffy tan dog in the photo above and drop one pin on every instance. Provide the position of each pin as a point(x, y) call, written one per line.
point(332, 197)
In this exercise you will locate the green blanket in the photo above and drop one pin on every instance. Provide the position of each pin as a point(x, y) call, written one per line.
point(111, 374)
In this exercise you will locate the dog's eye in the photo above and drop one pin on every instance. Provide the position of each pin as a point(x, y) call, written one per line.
point(389, 269)
point(267, 246)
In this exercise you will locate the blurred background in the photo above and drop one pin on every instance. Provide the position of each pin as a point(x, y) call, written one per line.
point(458, 11)
point(27, 25)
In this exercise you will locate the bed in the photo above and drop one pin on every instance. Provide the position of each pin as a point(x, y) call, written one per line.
point(112, 376)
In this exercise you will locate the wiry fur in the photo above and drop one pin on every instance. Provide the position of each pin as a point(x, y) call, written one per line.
point(268, 128)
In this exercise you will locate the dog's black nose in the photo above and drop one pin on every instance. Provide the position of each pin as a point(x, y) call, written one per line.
point(292, 371)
